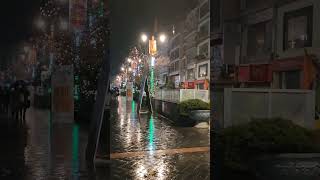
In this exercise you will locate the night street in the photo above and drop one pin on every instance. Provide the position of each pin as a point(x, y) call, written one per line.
point(149, 148)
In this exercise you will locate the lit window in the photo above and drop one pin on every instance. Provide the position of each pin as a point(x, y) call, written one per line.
point(298, 27)
point(203, 70)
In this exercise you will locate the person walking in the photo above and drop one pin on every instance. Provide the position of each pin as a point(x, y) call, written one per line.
point(14, 103)
point(26, 102)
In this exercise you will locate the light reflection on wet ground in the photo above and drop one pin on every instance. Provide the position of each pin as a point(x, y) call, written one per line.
point(148, 135)
point(43, 150)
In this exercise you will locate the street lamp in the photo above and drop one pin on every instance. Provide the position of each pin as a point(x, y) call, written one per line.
point(129, 60)
point(144, 38)
point(122, 69)
point(163, 38)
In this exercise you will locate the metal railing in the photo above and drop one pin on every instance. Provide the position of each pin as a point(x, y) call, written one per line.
point(179, 95)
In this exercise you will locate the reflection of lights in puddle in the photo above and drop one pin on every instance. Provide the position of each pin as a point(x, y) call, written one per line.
point(151, 145)
point(141, 171)
point(139, 136)
point(121, 121)
point(156, 168)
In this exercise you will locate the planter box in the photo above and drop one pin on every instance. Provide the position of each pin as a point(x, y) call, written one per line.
point(288, 167)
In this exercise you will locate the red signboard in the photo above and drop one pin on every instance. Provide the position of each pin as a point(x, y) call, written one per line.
point(244, 73)
point(260, 73)
point(288, 64)
point(254, 73)
point(189, 85)
point(200, 81)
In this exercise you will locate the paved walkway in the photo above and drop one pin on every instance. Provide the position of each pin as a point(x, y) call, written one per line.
point(149, 148)
point(152, 148)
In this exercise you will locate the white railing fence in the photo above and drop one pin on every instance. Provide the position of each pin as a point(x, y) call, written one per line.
point(179, 95)
point(241, 105)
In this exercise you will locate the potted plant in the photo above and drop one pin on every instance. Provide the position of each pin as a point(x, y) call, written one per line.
point(196, 111)
point(264, 148)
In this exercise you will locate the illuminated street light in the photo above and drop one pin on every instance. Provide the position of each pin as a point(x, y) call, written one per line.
point(130, 69)
point(139, 60)
point(122, 69)
point(144, 38)
point(163, 38)
point(129, 60)
point(153, 61)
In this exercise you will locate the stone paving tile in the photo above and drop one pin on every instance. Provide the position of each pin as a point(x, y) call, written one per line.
point(138, 141)
point(173, 167)
point(129, 133)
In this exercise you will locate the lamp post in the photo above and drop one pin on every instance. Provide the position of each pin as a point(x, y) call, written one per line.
point(152, 52)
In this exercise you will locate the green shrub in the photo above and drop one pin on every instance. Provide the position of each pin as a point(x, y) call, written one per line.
point(194, 104)
point(264, 136)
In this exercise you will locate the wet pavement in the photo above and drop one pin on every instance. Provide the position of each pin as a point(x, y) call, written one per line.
point(145, 148)
point(150, 147)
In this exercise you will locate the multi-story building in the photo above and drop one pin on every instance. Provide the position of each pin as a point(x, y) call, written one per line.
point(176, 54)
point(203, 47)
point(190, 49)
point(263, 43)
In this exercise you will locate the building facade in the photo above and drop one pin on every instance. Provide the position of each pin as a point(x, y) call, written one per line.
point(189, 49)
point(258, 43)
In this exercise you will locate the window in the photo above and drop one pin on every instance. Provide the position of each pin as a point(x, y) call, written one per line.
point(259, 40)
point(190, 55)
point(176, 66)
point(203, 70)
point(204, 30)
point(298, 27)
point(190, 74)
point(204, 49)
point(204, 10)
point(201, 86)
point(176, 41)
point(289, 80)
point(171, 68)
point(175, 54)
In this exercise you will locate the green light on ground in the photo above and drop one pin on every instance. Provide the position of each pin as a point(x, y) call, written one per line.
point(151, 134)
point(133, 106)
point(75, 151)
point(152, 81)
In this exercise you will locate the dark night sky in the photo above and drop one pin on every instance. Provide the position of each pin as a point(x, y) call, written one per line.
point(131, 17)
point(16, 22)
point(128, 19)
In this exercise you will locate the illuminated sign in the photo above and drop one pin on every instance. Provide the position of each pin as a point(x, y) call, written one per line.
point(152, 46)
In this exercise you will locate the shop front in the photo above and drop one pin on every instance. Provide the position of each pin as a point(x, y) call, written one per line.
point(202, 84)
point(293, 73)
point(254, 75)
point(188, 85)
